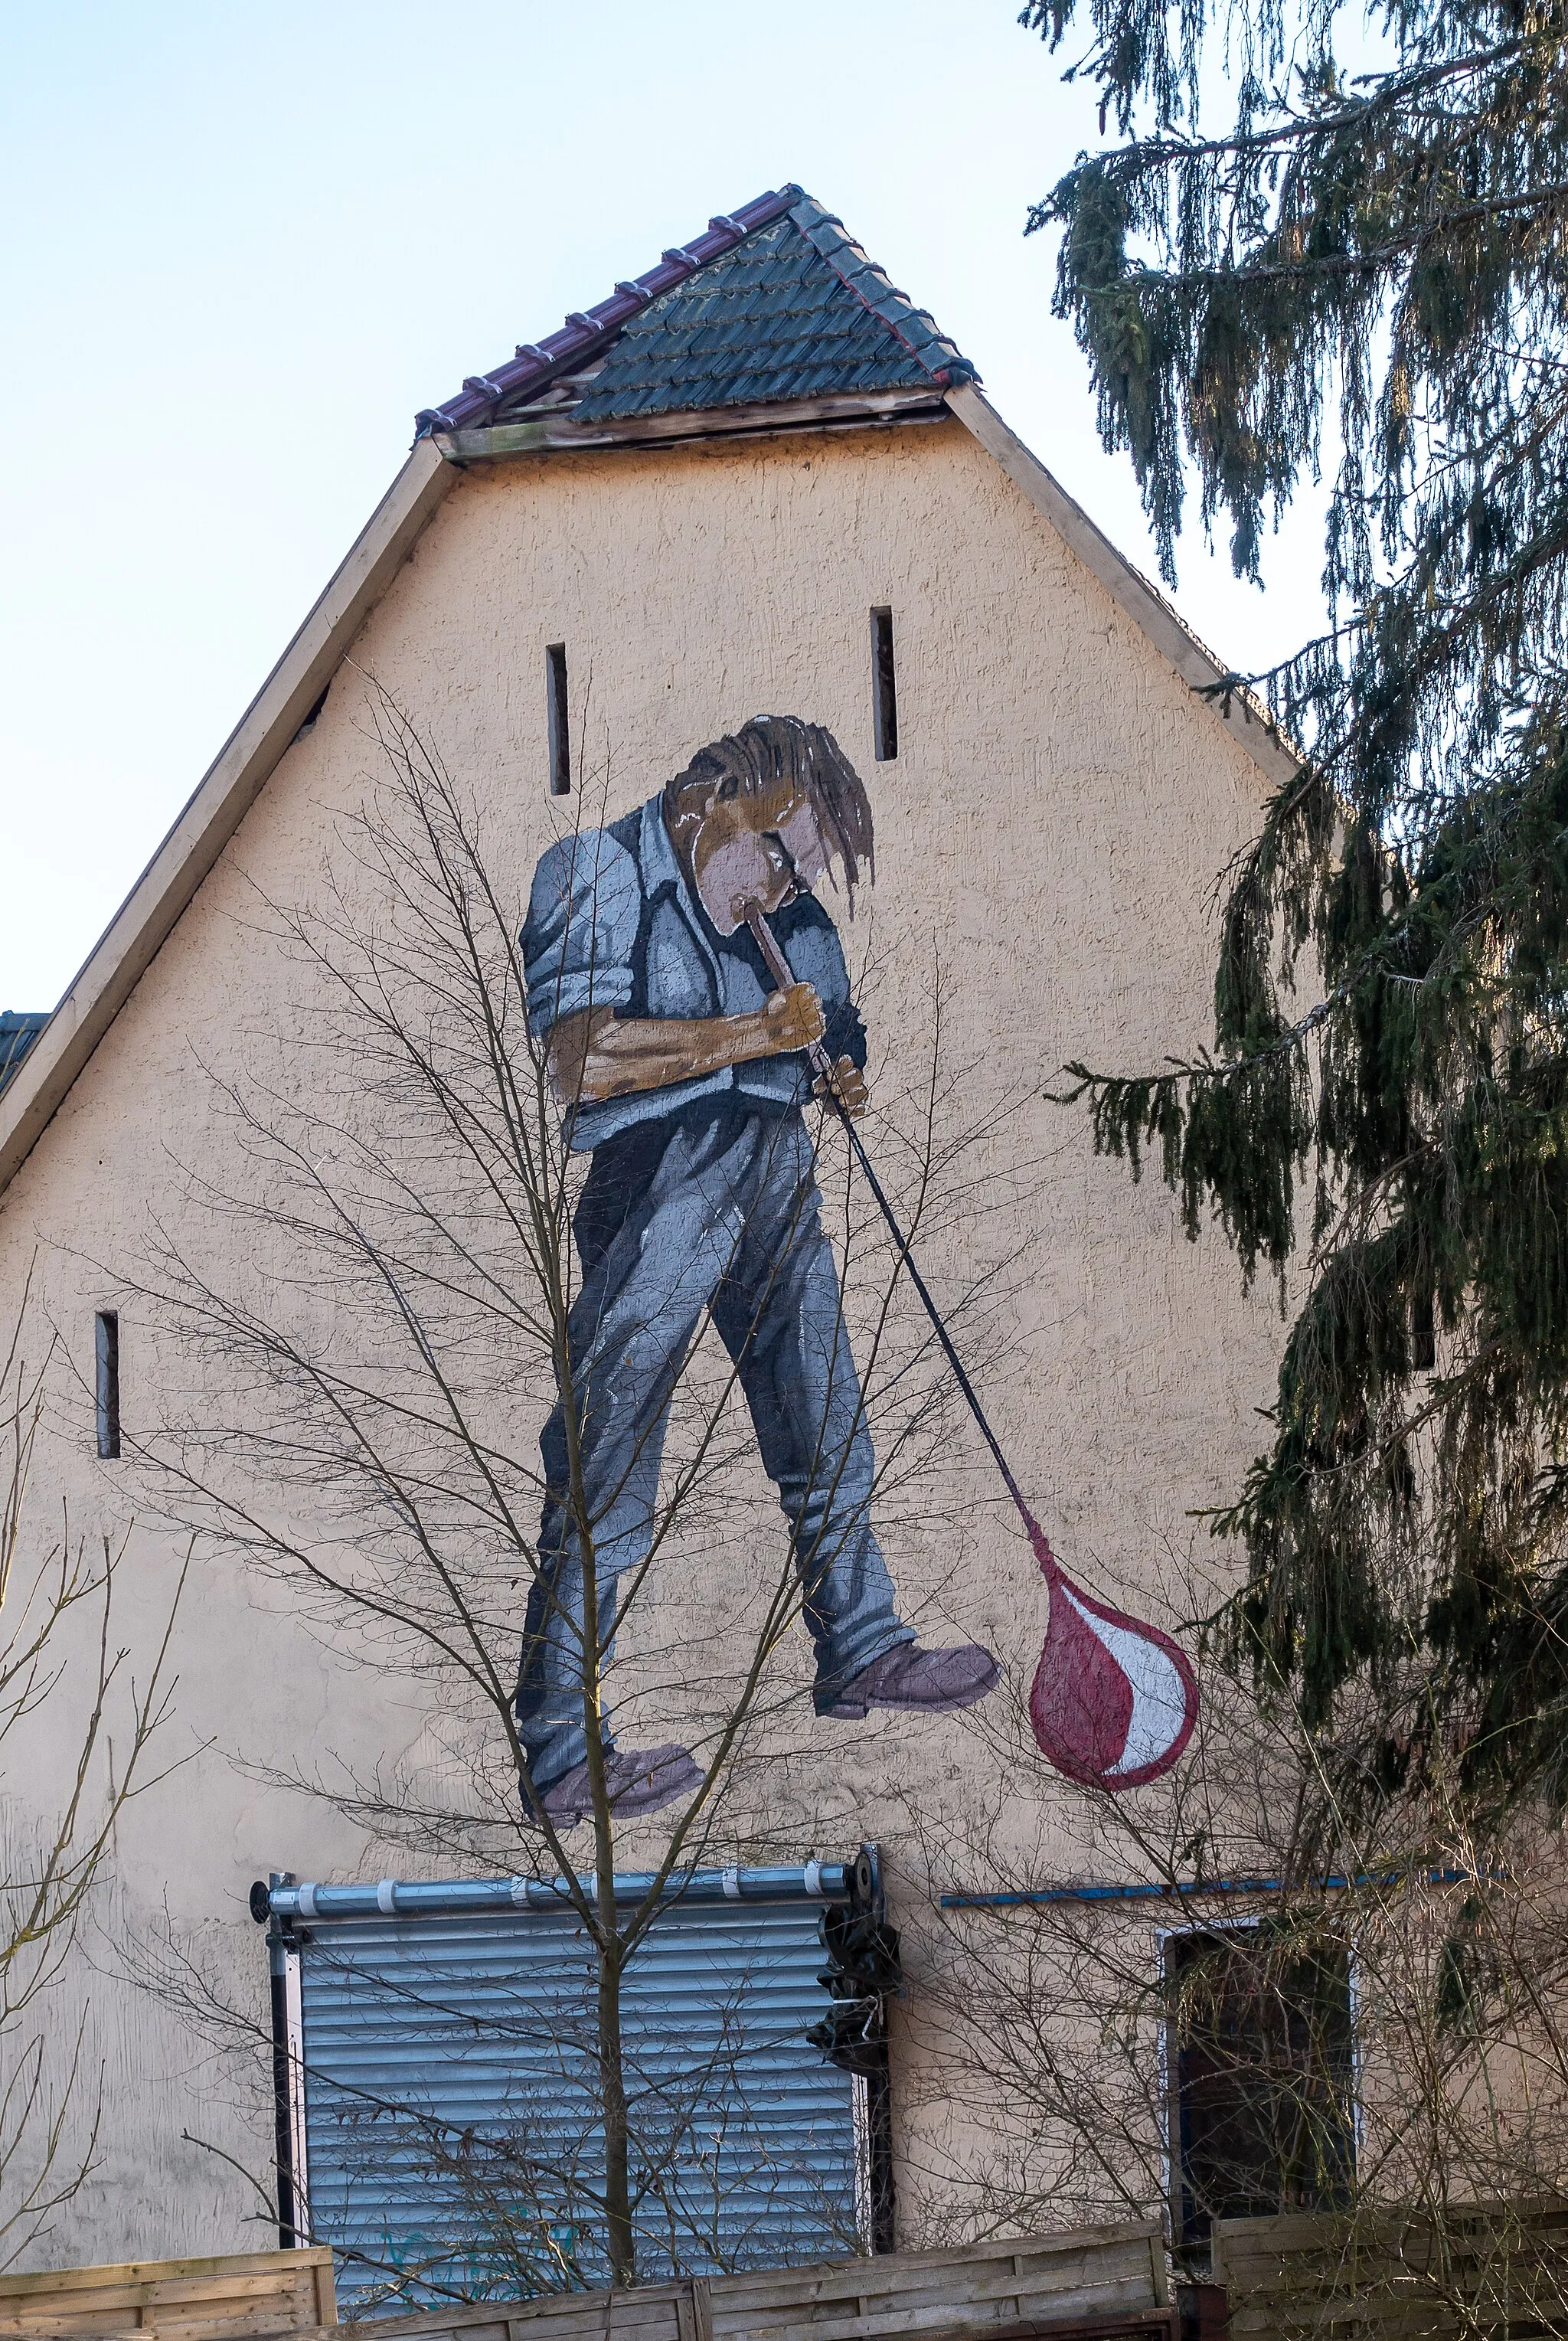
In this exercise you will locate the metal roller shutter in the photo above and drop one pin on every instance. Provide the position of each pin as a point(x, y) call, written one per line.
point(451, 2138)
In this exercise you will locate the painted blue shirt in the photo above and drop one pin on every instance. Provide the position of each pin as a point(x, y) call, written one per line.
point(612, 924)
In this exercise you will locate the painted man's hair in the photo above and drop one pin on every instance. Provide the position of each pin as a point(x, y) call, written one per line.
point(772, 748)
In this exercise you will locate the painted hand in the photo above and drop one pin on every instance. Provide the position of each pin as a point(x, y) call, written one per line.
point(849, 1087)
point(793, 1019)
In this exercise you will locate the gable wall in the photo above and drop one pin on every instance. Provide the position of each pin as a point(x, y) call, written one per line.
point(1058, 807)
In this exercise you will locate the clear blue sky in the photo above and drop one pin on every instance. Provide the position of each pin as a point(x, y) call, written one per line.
point(245, 243)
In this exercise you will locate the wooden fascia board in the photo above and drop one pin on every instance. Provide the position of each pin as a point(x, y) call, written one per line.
point(1242, 712)
point(249, 757)
point(558, 434)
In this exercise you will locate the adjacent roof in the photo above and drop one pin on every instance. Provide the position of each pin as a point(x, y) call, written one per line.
point(18, 1031)
point(775, 302)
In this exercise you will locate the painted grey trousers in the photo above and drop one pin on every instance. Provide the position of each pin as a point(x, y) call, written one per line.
point(675, 1220)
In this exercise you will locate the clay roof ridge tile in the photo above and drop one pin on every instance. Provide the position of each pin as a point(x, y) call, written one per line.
point(535, 363)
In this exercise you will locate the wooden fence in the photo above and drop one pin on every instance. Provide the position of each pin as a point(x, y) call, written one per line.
point(1499, 2270)
point(1102, 2281)
point(198, 2300)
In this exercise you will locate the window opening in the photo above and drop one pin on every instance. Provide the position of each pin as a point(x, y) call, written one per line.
point(556, 706)
point(1260, 2059)
point(1422, 1334)
point(884, 687)
point(107, 1352)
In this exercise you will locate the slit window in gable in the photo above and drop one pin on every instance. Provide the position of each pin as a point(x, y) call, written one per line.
point(1422, 1334)
point(558, 714)
point(106, 1377)
point(884, 687)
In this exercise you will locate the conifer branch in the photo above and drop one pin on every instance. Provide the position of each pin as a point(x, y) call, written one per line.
point(1384, 270)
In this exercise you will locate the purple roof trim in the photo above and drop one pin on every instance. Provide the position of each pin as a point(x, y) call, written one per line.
point(584, 334)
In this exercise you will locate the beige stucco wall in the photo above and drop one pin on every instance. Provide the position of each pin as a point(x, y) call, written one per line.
point(1058, 808)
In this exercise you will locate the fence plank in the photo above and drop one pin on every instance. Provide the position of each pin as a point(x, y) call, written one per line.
point(994, 2291)
point(1397, 2277)
point(246, 2293)
point(1108, 2280)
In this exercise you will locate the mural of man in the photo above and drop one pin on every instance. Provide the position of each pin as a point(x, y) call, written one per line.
point(683, 1072)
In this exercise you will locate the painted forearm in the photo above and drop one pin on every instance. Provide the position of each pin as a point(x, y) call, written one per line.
point(599, 1055)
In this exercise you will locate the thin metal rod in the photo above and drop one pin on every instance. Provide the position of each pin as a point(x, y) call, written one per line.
point(1184, 1888)
point(783, 975)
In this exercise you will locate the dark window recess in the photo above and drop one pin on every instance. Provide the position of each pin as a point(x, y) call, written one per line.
point(106, 1355)
point(557, 709)
point(1422, 1334)
point(884, 687)
point(1261, 2048)
point(312, 712)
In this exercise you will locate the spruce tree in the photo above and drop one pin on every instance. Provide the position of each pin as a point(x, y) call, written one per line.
point(1365, 277)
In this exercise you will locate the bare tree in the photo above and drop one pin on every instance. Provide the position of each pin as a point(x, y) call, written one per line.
point(58, 1655)
point(392, 1315)
point(1271, 1985)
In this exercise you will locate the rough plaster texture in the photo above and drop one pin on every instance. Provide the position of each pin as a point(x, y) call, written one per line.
point(1058, 808)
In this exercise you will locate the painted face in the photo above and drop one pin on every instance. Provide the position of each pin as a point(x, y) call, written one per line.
point(755, 849)
point(800, 834)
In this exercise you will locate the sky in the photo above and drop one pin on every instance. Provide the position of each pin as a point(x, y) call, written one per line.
point(245, 243)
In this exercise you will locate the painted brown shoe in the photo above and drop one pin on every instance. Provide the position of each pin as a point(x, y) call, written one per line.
point(922, 1682)
point(638, 1780)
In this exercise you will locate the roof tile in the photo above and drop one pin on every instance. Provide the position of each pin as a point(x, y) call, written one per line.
point(788, 307)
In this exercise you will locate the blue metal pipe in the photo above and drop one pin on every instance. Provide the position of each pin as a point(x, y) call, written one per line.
point(817, 1881)
point(1178, 1888)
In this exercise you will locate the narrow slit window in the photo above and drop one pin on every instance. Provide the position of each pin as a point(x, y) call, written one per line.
point(1422, 1334)
point(556, 708)
point(106, 1351)
point(884, 687)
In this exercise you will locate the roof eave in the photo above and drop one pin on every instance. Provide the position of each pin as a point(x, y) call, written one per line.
point(557, 433)
point(1238, 708)
point(253, 751)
